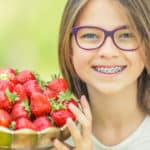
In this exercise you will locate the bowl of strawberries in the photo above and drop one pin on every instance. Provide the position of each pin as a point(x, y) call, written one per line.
point(33, 112)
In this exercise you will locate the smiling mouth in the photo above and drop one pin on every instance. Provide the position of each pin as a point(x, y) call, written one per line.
point(109, 69)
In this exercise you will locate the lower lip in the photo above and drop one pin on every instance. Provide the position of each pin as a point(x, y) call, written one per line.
point(110, 74)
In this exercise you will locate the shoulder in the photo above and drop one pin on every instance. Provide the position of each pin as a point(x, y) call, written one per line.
point(146, 123)
point(143, 138)
point(144, 131)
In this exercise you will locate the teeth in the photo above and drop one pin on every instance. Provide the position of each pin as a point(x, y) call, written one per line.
point(109, 70)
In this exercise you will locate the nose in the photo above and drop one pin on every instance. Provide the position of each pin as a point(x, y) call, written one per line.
point(108, 49)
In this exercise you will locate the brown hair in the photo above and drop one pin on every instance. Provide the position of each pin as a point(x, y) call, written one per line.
point(138, 12)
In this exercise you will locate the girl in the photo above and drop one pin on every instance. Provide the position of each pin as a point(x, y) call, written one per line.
point(104, 53)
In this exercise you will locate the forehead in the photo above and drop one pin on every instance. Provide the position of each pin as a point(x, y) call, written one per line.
point(108, 14)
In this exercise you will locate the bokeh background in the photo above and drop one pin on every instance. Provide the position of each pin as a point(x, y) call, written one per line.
point(29, 34)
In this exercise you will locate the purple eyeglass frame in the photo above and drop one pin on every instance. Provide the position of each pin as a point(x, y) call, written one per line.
point(107, 33)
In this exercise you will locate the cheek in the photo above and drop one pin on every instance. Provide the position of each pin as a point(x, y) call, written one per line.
point(80, 58)
point(137, 62)
point(78, 55)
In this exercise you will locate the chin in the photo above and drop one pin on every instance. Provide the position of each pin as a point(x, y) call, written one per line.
point(108, 90)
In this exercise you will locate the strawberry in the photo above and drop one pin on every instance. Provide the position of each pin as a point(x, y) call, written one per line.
point(58, 84)
point(6, 84)
point(66, 98)
point(41, 123)
point(24, 123)
point(25, 76)
point(5, 118)
point(60, 110)
point(26, 101)
point(21, 109)
point(7, 100)
point(8, 74)
point(39, 104)
point(20, 91)
point(74, 102)
point(32, 86)
point(60, 116)
point(50, 93)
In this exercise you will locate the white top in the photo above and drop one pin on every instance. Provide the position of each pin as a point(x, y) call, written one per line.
point(138, 140)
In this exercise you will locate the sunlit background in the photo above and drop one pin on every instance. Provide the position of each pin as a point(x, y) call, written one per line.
point(29, 34)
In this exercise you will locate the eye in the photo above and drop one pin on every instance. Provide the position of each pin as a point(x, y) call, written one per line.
point(89, 36)
point(126, 36)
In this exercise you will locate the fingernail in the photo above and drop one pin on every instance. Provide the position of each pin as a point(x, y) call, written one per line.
point(83, 98)
point(71, 106)
point(69, 121)
point(55, 141)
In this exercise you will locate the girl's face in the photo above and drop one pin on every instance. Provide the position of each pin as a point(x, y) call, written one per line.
point(106, 69)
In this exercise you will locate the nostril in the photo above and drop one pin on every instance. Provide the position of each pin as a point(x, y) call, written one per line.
point(108, 49)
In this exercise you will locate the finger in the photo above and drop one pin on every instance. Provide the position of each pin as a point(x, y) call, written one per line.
point(78, 113)
point(85, 123)
point(86, 108)
point(87, 111)
point(76, 136)
point(59, 145)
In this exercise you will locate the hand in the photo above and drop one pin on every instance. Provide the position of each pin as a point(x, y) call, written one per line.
point(82, 139)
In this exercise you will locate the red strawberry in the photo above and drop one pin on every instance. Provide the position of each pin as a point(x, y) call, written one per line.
point(5, 118)
point(7, 100)
point(20, 91)
point(42, 123)
point(39, 104)
point(50, 93)
point(32, 86)
point(6, 84)
point(8, 74)
point(66, 98)
point(74, 102)
point(58, 84)
point(60, 116)
point(60, 110)
point(25, 76)
point(21, 109)
point(24, 123)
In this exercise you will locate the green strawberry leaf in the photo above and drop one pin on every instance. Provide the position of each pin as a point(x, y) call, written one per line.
point(12, 97)
point(56, 105)
point(64, 96)
point(17, 71)
point(41, 83)
point(37, 76)
point(55, 76)
point(26, 106)
point(12, 125)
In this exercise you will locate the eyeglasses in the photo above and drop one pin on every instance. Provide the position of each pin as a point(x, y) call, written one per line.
point(92, 37)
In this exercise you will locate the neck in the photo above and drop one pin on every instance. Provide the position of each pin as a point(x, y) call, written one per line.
point(115, 116)
point(117, 109)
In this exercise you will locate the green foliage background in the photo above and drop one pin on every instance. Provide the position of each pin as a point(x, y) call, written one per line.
point(29, 34)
